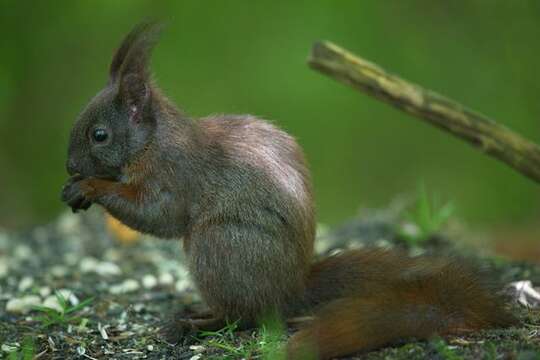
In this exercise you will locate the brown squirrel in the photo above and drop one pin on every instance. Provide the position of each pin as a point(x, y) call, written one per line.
point(238, 191)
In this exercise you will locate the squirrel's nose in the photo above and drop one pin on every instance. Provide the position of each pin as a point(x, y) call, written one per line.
point(71, 167)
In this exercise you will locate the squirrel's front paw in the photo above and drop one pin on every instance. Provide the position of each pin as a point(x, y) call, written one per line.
point(73, 194)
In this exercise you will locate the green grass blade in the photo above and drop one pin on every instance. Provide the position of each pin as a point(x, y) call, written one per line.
point(28, 350)
point(223, 346)
point(45, 309)
point(79, 306)
point(61, 300)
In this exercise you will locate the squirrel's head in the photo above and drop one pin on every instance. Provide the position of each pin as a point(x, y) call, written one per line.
point(119, 121)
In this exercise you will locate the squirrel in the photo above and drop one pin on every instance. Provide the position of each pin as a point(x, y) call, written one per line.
point(238, 191)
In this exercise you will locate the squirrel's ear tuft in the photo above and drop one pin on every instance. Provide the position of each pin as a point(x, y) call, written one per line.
point(129, 70)
point(133, 55)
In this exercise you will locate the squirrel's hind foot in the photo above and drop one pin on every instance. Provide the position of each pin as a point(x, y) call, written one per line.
point(173, 331)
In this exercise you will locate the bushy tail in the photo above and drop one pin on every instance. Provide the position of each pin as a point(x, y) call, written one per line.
point(371, 298)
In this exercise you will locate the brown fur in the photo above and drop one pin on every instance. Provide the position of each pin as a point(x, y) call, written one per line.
point(370, 298)
point(238, 190)
point(93, 188)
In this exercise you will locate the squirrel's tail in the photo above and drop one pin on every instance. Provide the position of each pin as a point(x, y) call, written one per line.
point(371, 298)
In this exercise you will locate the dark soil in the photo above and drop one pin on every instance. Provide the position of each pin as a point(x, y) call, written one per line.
point(135, 287)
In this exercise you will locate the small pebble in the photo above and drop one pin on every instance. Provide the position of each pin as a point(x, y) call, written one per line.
point(182, 285)
point(197, 348)
point(69, 296)
point(88, 264)
point(72, 258)
point(108, 269)
point(52, 302)
point(44, 291)
point(81, 350)
point(383, 243)
point(10, 348)
point(23, 252)
point(23, 304)
point(25, 283)
point(150, 347)
point(138, 307)
point(68, 223)
point(149, 281)
point(166, 279)
point(410, 229)
point(524, 293)
point(127, 286)
point(103, 268)
point(59, 271)
point(323, 245)
point(112, 255)
point(182, 272)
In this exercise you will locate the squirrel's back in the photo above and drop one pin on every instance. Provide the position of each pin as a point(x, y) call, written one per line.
point(255, 159)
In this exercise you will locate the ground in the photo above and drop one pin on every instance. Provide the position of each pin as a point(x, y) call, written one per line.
point(110, 298)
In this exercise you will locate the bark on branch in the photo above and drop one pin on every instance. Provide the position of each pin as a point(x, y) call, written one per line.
point(488, 136)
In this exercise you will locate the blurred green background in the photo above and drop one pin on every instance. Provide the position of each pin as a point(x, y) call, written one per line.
point(249, 57)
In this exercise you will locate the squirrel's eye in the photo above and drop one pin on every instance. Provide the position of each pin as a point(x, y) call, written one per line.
point(100, 135)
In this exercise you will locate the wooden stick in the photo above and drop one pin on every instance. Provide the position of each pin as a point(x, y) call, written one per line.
point(488, 136)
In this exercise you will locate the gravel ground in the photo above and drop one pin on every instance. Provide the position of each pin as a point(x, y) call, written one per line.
point(118, 294)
